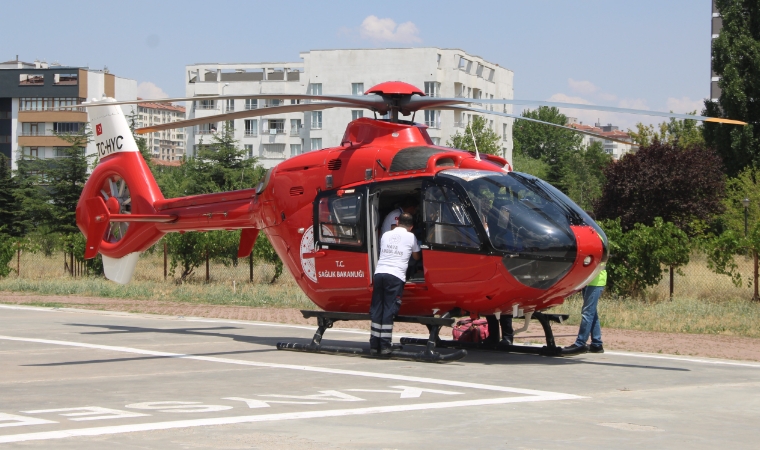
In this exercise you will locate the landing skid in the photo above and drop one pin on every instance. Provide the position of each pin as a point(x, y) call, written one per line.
point(550, 349)
point(326, 319)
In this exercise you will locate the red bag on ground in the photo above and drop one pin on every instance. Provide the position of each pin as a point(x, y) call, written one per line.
point(468, 330)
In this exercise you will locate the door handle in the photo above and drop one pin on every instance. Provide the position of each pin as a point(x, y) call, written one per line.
point(319, 254)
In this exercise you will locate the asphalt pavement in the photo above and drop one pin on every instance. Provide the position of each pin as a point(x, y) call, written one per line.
point(94, 380)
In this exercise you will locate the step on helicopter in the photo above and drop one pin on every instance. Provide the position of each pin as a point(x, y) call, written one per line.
point(494, 241)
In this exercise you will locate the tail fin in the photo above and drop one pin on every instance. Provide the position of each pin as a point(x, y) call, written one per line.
point(121, 184)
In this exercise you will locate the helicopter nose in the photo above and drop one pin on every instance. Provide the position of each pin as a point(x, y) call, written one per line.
point(556, 257)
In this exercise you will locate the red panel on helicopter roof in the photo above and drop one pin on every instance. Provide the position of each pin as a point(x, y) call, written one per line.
point(394, 87)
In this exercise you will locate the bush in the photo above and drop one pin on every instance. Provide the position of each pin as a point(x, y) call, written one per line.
point(7, 251)
point(639, 257)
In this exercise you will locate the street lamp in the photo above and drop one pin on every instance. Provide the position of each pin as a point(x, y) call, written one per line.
point(745, 202)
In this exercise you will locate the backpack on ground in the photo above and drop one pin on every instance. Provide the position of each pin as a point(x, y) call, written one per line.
point(468, 330)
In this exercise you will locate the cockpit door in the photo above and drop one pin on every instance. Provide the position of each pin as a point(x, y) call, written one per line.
point(453, 248)
point(340, 235)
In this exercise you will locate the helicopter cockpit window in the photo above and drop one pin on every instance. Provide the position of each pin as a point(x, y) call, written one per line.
point(446, 220)
point(525, 220)
point(339, 220)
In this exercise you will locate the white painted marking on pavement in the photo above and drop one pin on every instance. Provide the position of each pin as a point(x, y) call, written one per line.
point(676, 358)
point(100, 431)
point(254, 403)
point(407, 391)
point(89, 413)
point(180, 407)
point(12, 420)
point(386, 376)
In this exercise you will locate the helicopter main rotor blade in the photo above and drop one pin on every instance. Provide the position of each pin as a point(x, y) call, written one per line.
point(515, 116)
point(370, 101)
point(244, 114)
point(429, 103)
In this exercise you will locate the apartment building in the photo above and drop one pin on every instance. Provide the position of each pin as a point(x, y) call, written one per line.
point(31, 97)
point(716, 26)
point(273, 138)
point(612, 148)
point(167, 145)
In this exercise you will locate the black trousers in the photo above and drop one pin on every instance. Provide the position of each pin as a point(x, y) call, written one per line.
point(506, 327)
point(386, 301)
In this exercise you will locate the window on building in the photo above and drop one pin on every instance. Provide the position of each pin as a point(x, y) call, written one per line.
point(31, 79)
point(356, 114)
point(462, 63)
point(295, 127)
point(32, 129)
point(316, 143)
point(275, 126)
point(248, 149)
point(230, 125)
point(295, 149)
point(270, 102)
point(251, 103)
point(65, 79)
point(479, 70)
point(439, 61)
point(274, 151)
point(230, 106)
point(251, 127)
point(68, 127)
point(357, 88)
point(5, 139)
point(206, 128)
point(505, 131)
point(432, 89)
point(316, 120)
point(205, 104)
point(432, 118)
point(315, 88)
point(32, 152)
point(436, 140)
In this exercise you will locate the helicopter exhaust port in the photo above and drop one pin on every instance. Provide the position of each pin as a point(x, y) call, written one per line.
point(326, 319)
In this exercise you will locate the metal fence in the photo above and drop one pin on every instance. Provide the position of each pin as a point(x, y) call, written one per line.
point(696, 281)
point(154, 266)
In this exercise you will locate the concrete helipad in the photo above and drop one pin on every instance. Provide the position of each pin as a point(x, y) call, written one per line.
point(93, 380)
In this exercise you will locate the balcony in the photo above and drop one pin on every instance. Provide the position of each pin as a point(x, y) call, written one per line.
point(47, 133)
point(316, 125)
point(52, 108)
point(460, 125)
point(296, 131)
point(251, 133)
point(206, 107)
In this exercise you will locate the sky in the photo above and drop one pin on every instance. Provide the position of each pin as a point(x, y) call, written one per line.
point(647, 54)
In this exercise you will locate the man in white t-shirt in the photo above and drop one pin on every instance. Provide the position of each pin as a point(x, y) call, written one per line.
point(390, 222)
point(396, 246)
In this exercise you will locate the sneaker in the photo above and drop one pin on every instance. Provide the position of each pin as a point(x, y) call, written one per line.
point(374, 352)
point(575, 349)
point(385, 351)
point(596, 348)
point(506, 341)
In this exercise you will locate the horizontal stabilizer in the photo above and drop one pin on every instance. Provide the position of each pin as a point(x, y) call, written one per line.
point(121, 269)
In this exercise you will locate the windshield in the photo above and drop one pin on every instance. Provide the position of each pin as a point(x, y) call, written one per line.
point(526, 221)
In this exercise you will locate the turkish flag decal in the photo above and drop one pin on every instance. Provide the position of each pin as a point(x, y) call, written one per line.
point(98, 129)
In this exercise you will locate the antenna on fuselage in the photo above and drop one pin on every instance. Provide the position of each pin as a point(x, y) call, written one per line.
point(477, 155)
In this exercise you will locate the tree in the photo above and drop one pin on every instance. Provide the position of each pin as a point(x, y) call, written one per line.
point(222, 166)
point(539, 141)
point(745, 185)
point(536, 167)
point(736, 59)
point(9, 206)
point(581, 174)
point(486, 139)
point(662, 180)
point(65, 177)
point(7, 250)
point(682, 133)
point(638, 257)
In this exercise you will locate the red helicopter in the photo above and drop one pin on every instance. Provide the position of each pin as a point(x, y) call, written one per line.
point(493, 241)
